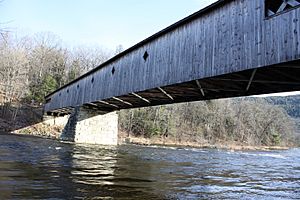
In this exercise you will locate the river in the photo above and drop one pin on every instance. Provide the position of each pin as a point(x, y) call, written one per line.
point(35, 168)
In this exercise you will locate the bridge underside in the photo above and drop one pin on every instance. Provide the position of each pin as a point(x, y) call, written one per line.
point(272, 79)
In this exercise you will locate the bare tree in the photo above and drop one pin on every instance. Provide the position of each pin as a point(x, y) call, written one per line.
point(89, 57)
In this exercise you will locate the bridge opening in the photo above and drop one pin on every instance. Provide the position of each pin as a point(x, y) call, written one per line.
point(113, 71)
point(274, 7)
point(145, 56)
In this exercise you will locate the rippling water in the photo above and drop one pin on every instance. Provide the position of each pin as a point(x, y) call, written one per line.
point(34, 168)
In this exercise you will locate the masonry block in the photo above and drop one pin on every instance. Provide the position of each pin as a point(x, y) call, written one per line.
point(91, 127)
point(58, 121)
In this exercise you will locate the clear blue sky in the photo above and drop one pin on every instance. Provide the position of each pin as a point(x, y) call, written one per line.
point(103, 22)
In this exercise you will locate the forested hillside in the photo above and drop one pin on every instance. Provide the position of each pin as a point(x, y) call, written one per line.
point(290, 103)
point(250, 121)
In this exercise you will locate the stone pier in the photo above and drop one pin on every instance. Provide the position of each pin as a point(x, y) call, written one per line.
point(91, 127)
point(55, 121)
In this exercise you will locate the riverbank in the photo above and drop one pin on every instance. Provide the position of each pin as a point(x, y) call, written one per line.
point(26, 119)
point(40, 129)
point(44, 130)
point(125, 138)
point(53, 132)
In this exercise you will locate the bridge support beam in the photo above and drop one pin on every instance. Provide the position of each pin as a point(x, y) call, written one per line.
point(91, 127)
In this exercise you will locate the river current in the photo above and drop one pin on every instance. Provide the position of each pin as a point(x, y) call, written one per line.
point(35, 168)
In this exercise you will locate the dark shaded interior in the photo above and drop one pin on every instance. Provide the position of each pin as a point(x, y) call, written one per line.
point(273, 7)
point(283, 77)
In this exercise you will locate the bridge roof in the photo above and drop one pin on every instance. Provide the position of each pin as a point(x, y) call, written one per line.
point(170, 28)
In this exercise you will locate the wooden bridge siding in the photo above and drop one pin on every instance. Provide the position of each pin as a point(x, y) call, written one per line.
point(281, 36)
point(231, 38)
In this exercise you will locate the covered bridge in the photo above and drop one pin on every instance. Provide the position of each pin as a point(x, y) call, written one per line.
point(231, 48)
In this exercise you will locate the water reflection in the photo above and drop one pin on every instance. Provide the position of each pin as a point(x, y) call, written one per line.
point(93, 166)
point(108, 172)
point(32, 168)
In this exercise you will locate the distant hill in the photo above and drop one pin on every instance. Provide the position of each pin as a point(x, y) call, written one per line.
point(290, 103)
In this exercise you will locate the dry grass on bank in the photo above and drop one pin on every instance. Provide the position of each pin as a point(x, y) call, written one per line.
point(125, 138)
